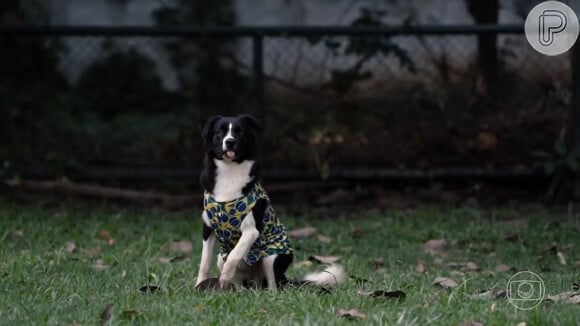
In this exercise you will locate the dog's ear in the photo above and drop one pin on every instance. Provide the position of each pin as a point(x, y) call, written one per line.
point(250, 122)
point(206, 127)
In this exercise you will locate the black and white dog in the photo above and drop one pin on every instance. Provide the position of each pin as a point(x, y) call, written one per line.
point(254, 246)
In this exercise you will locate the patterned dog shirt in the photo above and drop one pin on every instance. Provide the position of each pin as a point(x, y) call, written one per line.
point(226, 219)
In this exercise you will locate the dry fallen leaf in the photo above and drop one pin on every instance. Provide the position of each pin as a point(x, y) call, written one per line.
point(493, 307)
point(198, 307)
point(70, 246)
point(105, 235)
point(453, 264)
point(324, 239)
point(420, 267)
point(471, 323)
point(18, 234)
point(339, 196)
point(351, 314)
point(436, 246)
point(562, 258)
point(151, 289)
point(302, 232)
point(400, 295)
point(130, 313)
point(523, 323)
point(179, 258)
point(491, 294)
point(181, 246)
point(377, 262)
point(455, 273)
point(358, 232)
point(100, 265)
point(107, 314)
point(346, 249)
point(572, 297)
point(324, 259)
point(445, 282)
point(502, 268)
point(511, 237)
point(485, 142)
point(470, 267)
point(93, 251)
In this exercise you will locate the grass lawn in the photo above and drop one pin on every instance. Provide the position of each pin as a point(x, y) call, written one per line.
point(45, 281)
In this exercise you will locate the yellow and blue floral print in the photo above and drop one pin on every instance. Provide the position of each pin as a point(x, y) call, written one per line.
point(226, 218)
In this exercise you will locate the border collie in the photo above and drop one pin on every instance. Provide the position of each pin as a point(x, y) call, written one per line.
point(237, 213)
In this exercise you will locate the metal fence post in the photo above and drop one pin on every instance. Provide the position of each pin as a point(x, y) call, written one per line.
point(258, 74)
point(574, 124)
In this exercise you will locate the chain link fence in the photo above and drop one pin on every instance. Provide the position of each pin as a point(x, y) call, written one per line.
point(400, 101)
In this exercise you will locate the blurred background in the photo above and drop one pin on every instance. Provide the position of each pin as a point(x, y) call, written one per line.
point(385, 99)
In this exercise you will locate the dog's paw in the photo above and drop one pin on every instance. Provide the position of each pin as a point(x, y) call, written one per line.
point(224, 283)
point(227, 275)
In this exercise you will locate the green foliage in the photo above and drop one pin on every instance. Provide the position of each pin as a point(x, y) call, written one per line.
point(204, 66)
point(122, 82)
point(560, 161)
point(364, 49)
point(561, 165)
point(118, 109)
point(30, 87)
point(376, 45)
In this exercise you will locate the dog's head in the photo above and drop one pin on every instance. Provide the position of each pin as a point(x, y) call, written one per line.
point(231, 138)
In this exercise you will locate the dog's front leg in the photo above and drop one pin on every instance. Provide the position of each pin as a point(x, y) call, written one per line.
point(268, 271)
point(249, 235)
point(207, 249)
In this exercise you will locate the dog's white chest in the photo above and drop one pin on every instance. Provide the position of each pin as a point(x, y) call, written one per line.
point(231, 178)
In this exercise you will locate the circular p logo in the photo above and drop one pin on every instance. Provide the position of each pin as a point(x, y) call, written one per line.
point(552, 28)
point(525, 290)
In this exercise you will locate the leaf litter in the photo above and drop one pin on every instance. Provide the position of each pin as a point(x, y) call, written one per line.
point(399, 295)
point(436, 246)
point(420, 267)
point(304, 232)
point(351, 314)
point(69, 247)
point(181, 246)
point(107, 314)
point(445, 282)
point(502, 268)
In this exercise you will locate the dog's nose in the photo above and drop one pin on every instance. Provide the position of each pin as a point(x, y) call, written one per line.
point(230, 143)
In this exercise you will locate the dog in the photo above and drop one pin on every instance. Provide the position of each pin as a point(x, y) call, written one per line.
point(237, 213)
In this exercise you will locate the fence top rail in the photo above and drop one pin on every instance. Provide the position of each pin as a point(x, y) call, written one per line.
point(259, 31)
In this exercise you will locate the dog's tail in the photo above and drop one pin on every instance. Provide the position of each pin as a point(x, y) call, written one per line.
point(332, 275)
